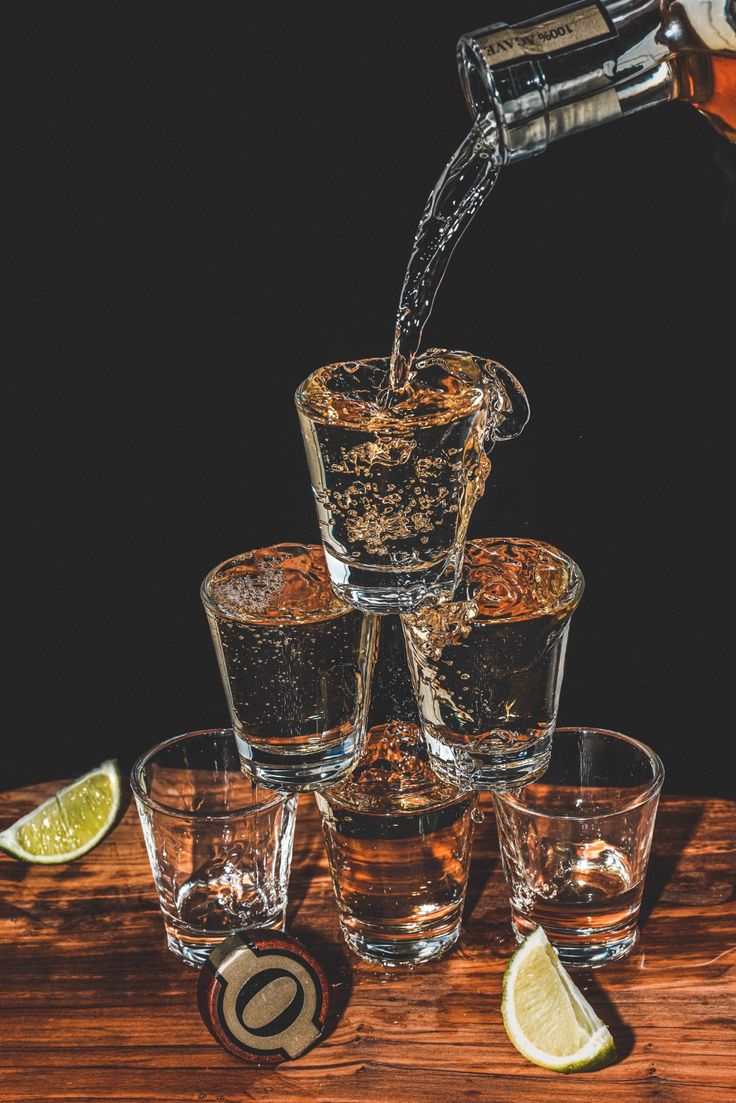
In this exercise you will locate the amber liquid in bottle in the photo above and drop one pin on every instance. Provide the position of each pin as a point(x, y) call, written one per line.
point(708, 82)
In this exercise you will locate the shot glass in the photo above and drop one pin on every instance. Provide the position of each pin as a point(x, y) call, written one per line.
point(575, 845)
point(296, 665)
point(219, 845)
point(395, 475)
point(487, 666)
point(398, 842)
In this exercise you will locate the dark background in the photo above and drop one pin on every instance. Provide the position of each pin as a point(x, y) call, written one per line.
point(208, 202)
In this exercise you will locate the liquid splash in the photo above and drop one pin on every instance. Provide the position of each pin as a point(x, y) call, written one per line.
point(394, 774)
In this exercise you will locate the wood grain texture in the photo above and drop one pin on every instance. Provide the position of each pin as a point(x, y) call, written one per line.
point(95, 1008)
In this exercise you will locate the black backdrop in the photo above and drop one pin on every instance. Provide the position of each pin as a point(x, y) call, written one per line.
point(209, 201)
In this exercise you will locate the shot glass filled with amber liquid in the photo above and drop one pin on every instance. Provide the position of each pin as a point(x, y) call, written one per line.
point(398, 841)
point(295, 662)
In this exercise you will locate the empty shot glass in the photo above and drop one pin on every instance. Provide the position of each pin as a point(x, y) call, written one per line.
point(395, 475)
point(487, 666)
point(575, 844)
point(219, 845)
point(398, 841)
point(296, 665)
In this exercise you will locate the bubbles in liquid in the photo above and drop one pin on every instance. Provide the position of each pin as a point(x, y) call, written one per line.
point(249, 593)
point(396, 484)
point(279, 584)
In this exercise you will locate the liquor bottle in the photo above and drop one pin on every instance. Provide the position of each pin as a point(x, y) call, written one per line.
point(594, 61)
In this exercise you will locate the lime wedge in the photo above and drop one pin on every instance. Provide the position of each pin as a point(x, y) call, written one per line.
point(70, 823)
point(547, 1017)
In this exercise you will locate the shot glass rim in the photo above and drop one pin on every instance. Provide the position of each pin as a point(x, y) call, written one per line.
point(570, 599)
point(395, 814)
point(211, 605)
point(652, 790)
point(182, 813)
point(303, 407)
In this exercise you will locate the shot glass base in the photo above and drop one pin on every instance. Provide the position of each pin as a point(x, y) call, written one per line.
point(303, 772)
point(399, 952)
point(382, 591)
point(489, 772)
point(194, 947)
point(587, 952)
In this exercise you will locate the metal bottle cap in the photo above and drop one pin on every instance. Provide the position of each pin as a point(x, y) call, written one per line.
point(263, 997)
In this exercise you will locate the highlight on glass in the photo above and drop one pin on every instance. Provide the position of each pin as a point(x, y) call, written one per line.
point(575, 844)
point(219, 844)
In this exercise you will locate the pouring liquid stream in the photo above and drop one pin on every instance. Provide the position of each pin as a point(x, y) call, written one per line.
point(453, 203)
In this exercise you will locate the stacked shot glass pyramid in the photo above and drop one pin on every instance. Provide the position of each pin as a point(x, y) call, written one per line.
point(297, 632)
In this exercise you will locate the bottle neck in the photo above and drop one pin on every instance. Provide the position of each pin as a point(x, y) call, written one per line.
point(567, 71)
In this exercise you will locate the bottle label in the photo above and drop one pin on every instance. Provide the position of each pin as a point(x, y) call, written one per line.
point(578, 25)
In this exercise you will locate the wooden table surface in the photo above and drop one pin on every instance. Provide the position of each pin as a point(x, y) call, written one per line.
point(95, 1008)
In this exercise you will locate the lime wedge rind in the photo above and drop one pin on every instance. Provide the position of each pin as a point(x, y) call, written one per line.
point(70, 823)
point(597, 1047)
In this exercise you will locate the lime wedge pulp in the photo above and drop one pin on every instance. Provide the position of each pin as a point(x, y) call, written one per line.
point(546, 1016)
point(70, 823)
